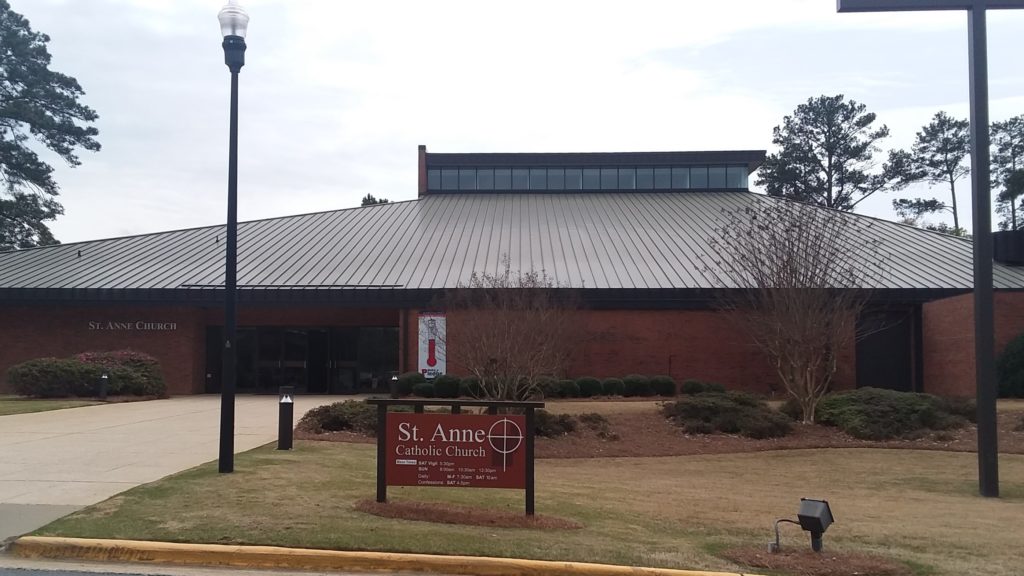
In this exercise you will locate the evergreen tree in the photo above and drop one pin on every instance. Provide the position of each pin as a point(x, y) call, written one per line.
point(369, 200)
point(826, 155)
point(1007, 159)
point(41, 105)
point(937, 157)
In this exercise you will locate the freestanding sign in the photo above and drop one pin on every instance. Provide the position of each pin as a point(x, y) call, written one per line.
point(432, 333)
point(455, 450)
point(465, 450)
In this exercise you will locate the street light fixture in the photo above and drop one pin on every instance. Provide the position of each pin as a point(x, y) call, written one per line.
point(234, 21)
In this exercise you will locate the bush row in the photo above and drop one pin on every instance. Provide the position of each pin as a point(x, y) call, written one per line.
point(129, 373)
point(877, 414)
point(633, 385)
point(729, 412)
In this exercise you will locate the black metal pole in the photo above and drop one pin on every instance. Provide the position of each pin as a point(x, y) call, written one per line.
point(984, 331)
point(382, 440)
point(530, 485)
point(227, 390)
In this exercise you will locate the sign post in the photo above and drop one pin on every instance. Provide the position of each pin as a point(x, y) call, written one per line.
point(456, 450)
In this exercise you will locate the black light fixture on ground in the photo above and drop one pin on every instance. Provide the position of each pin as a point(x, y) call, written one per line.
point(233, 23)
point(984, 332)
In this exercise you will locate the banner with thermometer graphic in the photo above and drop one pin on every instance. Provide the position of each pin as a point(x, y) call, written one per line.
point(431, 339)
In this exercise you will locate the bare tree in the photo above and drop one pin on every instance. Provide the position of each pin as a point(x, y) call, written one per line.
point(509, 329)
point(796, 277)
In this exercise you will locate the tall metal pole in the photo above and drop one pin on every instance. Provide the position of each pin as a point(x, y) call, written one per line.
point(984, 331)
point(227, 390)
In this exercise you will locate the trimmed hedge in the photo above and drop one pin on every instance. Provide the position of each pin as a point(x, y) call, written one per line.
point(568, 389)
point(664, 386)
point(352, 415)
point(423, 389)
point(589, 387)
point(407, 380)
point(693, 386)
point(470, 387)
point(613, 386)
point(129, 373)
point(731, 413)
point(879, 414)
point(637, 385)
point(446, 386)
point(1010, 369)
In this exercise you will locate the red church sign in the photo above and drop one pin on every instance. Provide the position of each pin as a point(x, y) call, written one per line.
point(457, 450)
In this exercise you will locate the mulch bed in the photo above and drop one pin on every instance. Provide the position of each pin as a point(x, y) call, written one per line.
point(807, 563)
point(648, 434)
point(454, 514)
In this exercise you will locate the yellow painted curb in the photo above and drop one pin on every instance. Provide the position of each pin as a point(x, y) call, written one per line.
point(305, 559)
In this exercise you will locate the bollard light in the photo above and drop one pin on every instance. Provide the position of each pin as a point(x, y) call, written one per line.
point(103, 386)
point(394, 385)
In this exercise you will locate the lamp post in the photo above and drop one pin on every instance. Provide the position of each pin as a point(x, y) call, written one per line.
point(984, 333)
point(233, 23)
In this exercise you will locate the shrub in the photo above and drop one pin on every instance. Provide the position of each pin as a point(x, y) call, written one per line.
point(446, 386)
point(637, 385)
point(548, 387)
point(54, 378)
point(551, 425)
point(131, 373)
point(407, 381)
point(731, 413)
point(423, 389)
point(691, 386)
point(663, 385)
point(351, 415)
point(568, 389)
point(589, 387)
point(613, 387)
point(599, 424)
point(877, 414)
point(1010, 369)
point(470, 387)
point(792, 409)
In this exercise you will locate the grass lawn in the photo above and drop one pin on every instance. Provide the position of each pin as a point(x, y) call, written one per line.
point(917, 506)
point(22, 405)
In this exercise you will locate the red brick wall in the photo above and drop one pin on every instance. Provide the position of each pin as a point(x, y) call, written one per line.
point(28, 332)
point(948, 339)
point(680, 343)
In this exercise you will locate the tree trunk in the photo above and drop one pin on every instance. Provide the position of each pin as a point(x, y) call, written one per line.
point(952, 192)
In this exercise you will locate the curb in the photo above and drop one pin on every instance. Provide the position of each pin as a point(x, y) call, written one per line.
point(272, 557)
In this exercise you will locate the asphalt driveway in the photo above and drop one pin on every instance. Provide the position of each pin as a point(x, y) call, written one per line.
point(53, 463)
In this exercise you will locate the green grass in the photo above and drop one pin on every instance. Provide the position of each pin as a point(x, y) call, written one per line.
point(917, 506)
point(22, 405)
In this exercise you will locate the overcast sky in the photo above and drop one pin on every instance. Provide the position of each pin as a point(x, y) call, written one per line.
point(335, 96)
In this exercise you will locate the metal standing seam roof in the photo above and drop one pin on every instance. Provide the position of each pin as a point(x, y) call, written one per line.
point(634, 240)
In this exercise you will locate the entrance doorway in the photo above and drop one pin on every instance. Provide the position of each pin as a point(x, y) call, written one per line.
point(336, 360)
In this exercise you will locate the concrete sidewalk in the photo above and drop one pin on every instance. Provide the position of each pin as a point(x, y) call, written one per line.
point(53, 463)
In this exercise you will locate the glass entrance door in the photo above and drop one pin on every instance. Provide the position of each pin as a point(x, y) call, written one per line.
point(281, 359)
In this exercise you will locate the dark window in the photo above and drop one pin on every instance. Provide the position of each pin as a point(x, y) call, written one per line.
point(556, 178)
point(699, 177)
point(662, 178)
point(644, 178)
point(485, 179)
point(591, 179)
point(433, 179)
point(449, 179)
point(627, 178)
point(573, 178)
point(467, 179)
point(609, 178)
point(716, 177)
point(502, 178)
point(538, 179)
point(520, 179)
point(680, 177)
point(736, 177)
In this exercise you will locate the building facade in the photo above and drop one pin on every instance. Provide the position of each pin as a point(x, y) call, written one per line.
point(336, 302)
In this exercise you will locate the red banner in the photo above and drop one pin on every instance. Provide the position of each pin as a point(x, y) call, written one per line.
point(459, 450)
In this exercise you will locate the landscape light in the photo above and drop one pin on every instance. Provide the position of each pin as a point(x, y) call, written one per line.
point(814, 516)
